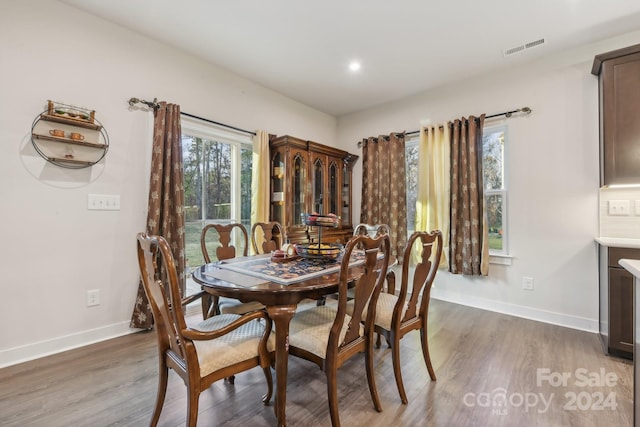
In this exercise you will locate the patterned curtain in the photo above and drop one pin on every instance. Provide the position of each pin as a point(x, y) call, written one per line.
point(469, 249)
point(384, 193)
point(166, 199)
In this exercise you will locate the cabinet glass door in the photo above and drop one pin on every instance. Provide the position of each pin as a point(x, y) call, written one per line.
point(277, 188)
point(346, 200)
point(318, 187)
point(333, 189)
point(299, 180)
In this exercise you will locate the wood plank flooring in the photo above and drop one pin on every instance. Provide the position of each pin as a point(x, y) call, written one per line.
point(488, 367)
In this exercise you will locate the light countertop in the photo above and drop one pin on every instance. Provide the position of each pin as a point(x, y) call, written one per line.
point(617, 242)
point(632, 266)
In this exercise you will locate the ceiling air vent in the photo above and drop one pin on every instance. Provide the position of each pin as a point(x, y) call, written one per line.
point(523, 47)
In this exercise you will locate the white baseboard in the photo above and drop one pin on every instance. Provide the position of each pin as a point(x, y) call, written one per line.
point(560, 319)
point(36, 350)
point(32, 351)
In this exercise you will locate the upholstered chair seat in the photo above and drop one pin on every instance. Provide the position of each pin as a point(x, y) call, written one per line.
point(238, 345)
point(384, 310)
point(310, 329)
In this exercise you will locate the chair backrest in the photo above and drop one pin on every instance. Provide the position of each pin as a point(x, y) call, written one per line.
point(226, 250)
point(160, 281)
point(375, 251)
point(423, 274)
point(264, 239)
point(373, 230)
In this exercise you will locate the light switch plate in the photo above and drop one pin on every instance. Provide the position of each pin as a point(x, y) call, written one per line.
point(619, 207)
point(637, 207)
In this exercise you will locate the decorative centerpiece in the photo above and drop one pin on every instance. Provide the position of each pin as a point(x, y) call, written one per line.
point(315, 219)
point(318, 250)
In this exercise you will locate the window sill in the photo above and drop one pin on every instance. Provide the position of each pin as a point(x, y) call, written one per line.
point(501, 259)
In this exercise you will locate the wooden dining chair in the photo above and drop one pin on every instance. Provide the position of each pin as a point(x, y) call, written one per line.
point(328, 336)
point(264, 239)
point(215, 348)
point(397, 315)
point(225, 249)
point(375, 230)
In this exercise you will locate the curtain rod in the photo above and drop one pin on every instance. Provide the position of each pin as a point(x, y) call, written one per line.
point(507, 114)
point(154, 104)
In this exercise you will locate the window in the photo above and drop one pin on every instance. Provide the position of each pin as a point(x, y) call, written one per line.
point(495, 193)
point(411, 165)
point(217, 181)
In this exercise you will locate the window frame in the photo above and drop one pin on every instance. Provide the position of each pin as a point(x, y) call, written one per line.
point(237, 141)
point(504, 252)
point(412, 143)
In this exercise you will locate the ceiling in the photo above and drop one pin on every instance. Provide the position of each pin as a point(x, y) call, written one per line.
point(302, 49)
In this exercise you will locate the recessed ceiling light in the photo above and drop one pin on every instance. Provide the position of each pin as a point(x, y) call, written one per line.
point(354, 66)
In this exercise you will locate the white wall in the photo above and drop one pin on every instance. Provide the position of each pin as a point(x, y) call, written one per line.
point(552, 179)
point(53, 248)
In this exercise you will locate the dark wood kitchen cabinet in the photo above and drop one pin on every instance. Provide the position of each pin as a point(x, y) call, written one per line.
point(618, 284)
point(619, 96)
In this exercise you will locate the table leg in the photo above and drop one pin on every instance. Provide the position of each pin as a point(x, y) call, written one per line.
point(281, 316)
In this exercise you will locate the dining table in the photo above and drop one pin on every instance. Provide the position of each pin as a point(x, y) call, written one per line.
point(280, 285)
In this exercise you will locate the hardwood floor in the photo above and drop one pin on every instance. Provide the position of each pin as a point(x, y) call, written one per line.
point(475, 353)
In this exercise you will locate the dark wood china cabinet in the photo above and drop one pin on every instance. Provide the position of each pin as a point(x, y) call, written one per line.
point(309, 177)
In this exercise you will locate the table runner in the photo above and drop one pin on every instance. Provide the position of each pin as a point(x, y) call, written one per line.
point(289, 272)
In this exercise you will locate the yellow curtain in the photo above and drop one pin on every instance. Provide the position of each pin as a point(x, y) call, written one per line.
point(260, 178)
point(432, 204)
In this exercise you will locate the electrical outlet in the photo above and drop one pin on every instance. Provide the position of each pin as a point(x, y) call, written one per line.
point(93, 297)
point(527, 283)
